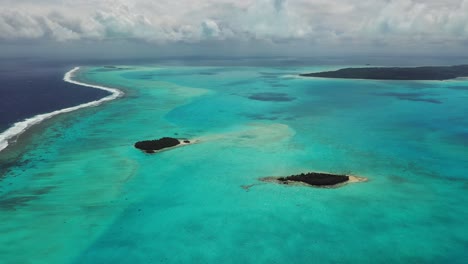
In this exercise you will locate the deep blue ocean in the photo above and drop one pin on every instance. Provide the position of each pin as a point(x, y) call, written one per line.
point(29, 87)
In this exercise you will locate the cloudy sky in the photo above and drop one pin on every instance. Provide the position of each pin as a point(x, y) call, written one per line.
point(234, 27)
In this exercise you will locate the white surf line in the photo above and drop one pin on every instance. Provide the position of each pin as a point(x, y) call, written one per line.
point(19, 127)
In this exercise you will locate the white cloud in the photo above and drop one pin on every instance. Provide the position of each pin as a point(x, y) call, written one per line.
point(326, 22)
point(15, 24)
point(210, 28)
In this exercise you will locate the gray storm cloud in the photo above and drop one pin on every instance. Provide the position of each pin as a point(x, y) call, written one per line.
point(368, 22)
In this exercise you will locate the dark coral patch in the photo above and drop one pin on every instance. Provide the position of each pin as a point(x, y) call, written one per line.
point(418, 97)
point(273, 97)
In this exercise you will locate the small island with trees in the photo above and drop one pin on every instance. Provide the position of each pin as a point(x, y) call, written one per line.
point(396, 73)
point(316, 179)
point(157, 145)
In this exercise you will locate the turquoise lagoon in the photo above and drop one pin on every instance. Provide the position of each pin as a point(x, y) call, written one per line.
point(74, 190)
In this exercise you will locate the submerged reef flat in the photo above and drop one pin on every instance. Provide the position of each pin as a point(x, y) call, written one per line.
point(396, 73)
point(316, 179)
point(156, 145)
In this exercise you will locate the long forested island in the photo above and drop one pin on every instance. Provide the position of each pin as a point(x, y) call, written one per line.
point(396, 73)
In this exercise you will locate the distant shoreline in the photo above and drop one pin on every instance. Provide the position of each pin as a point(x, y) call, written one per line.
point(427, 73)
point(20, 127)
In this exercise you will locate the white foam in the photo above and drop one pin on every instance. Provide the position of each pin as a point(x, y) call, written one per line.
point(19, 127)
